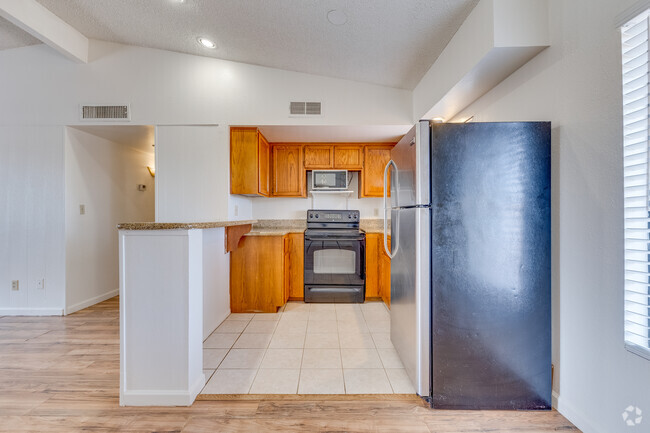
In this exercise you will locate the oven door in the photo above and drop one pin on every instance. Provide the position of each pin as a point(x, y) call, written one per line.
point(335, 269)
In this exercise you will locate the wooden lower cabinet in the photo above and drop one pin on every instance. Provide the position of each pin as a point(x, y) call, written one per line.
point(257, 275)
point(377, 268)
point(295, 265)
point(265, 271)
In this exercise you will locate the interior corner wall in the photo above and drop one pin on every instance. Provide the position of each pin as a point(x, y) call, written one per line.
point(32, 236)
point(102, 175)
point(576, 84)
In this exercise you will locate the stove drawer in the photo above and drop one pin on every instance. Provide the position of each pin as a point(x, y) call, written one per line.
point(338, 294)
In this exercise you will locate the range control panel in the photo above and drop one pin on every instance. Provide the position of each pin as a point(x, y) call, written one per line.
point(332, 216)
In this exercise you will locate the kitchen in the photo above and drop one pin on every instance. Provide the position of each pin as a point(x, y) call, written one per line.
point(568, 75)
point(301, 316)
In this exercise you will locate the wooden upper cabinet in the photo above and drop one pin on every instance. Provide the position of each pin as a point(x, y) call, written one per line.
point(372, 175)
point(288, 173)
point(249, 162)
point(348, 157)
point(319, 157)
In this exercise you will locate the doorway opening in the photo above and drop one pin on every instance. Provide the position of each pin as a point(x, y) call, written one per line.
point(109, 179)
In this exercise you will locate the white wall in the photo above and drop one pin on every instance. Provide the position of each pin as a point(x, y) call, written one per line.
point(576, 84)
point(32, 235)
point(39, 86)
point(191, 177)
point(102, 175)
point(295, 208)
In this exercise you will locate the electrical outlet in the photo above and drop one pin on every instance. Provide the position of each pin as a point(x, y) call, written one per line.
point(40, 284)
point(82, 209)
point(14, 285)
point(375, 211)
point(236, 210)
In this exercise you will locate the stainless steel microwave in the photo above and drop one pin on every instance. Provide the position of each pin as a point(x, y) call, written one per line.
point(329, 180)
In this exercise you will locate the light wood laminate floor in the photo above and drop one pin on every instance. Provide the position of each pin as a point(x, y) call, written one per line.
point(61, 374)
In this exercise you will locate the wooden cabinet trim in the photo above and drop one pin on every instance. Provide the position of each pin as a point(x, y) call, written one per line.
point(264, 168)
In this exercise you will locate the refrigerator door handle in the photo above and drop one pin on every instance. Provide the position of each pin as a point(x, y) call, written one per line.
point(387, 209)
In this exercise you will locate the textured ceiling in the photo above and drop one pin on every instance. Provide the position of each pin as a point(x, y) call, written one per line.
point(388, 42)
point(13, 37)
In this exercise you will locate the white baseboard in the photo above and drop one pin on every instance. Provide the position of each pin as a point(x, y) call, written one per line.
point(92, 301)
point(575, 416)
point(162, 397)
point(31, 311)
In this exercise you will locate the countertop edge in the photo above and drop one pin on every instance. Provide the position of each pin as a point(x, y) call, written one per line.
point(182, 226)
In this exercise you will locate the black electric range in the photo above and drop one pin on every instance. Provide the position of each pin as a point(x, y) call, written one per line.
point(335, 257)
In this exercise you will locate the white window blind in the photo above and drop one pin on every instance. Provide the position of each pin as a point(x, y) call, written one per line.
point(634, 38)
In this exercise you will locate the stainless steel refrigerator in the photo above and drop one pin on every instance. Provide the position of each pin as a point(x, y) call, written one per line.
point(470, 228)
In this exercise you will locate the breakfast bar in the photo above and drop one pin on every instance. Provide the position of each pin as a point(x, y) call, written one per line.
point(173, 293)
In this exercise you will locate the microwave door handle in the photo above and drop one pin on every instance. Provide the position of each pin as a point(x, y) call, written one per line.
point(387, 209)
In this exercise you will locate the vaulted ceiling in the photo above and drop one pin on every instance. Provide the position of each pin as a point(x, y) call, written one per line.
point(386, 42)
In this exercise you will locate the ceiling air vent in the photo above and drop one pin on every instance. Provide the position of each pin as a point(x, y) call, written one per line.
point(305, 108)
point(105, 112)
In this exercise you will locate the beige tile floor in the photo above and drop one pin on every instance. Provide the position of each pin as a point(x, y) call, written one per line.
point(305, 349)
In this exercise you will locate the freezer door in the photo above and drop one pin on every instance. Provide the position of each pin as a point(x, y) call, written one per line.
point(491, 265)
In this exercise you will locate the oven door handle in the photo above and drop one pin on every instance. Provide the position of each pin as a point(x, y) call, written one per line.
point(395, 242)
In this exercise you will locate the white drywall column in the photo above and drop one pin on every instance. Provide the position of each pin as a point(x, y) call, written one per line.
point(191, 174)
point(39, 22)
point(161, 317)
point(495, 40)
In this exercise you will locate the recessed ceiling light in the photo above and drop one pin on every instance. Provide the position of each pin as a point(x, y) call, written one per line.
point(207, 43)
point(337, 17)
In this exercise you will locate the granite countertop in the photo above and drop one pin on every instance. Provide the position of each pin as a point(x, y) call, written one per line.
point(277, 227)
point(373, 226)
point(181, 226)
point(273, 232)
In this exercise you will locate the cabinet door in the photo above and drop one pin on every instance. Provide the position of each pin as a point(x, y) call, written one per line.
point(372, 265)
point(348, 157)
point(318, 157)
point(375, 160)
point(244, 167)
point(263, 166)
point(257, 275)
point(296, 266)
point(288, 173)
